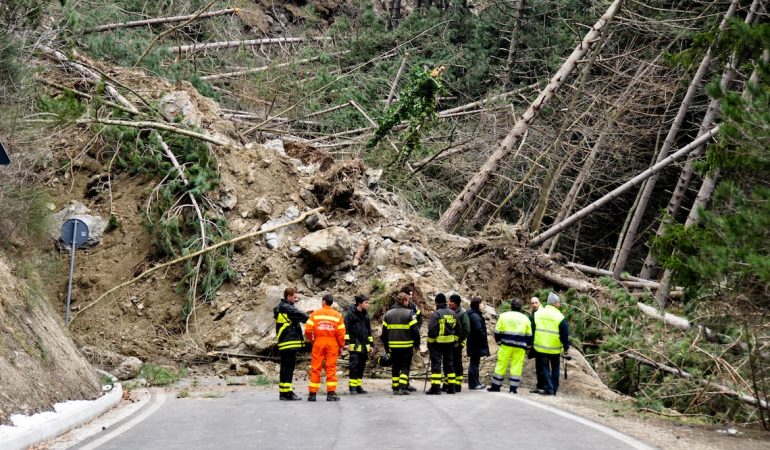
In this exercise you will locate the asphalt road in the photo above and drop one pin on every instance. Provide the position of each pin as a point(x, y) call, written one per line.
point(256, 419)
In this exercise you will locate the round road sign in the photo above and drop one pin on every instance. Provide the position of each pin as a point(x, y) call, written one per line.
point(79, 228)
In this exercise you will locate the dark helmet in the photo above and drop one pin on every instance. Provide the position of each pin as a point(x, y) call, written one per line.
point(384, 360)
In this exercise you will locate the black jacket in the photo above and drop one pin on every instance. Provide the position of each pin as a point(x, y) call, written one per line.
point(478, 345)
point(358, 330)
point(463, 325)
point(399, 329)
point(442, 324)
point(287, 325)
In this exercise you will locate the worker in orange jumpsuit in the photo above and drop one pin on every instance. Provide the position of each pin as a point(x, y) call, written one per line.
point(326, 330)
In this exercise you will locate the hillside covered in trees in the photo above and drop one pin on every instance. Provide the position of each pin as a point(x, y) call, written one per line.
point(627, 140)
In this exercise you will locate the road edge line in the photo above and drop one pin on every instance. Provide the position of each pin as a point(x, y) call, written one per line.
point(159, 400)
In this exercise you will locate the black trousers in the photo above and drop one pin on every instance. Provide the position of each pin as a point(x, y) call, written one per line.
point(473, 372)
point(357, 365)
point(402, 361)
point(288, 362)
point(457, 360)
point(547, 367)
point(440, 356)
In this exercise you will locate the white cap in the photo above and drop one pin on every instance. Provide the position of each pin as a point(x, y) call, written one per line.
point(553, 299)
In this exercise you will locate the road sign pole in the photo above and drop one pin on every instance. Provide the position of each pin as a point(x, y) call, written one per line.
point(72, 271)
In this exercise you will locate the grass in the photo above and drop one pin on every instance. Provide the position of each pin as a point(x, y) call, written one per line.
point(261, 380)
point(161, 375)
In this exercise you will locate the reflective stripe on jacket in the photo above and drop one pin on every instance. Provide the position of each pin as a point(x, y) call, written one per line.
point(514, 330)
point(288, 332)
point(441, 328)
point(399, 328)
point(547, 320)
point(326, 323)
point(358, 330)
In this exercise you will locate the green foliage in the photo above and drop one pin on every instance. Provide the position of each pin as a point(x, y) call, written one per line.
point(417, 106)
point(161, 375)
point(378, 286)
point(176, 234)
point(65, 107)
point(262, 380)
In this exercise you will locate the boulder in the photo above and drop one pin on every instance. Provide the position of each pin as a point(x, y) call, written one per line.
point(395, 234)
point(274, 239)
point(329, 246)
point(128, 369)
point(180, 104)
point(410, 256)
point(76, 210)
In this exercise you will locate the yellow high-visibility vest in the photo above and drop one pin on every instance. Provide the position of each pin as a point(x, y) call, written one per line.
point(547, 322)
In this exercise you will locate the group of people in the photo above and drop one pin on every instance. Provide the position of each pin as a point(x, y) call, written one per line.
point(450, 330)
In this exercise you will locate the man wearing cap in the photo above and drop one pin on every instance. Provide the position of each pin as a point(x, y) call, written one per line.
point(326, 330)
point(513, 333)
point(462, 330)
point(551, 338)
point(441, 340)
point(400, 337)
point(358, 338)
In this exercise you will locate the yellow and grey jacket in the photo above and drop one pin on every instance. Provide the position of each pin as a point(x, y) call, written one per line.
point(399, 329)
point(551, 331)
point(288, 331)
point(514, 330)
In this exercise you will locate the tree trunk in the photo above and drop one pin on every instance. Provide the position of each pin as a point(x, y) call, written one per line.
point(473, 188)
point(159, 20)
point(649, 186)
point(679, 154)
point(748, 399)
point(677, 196)
point(394, 85)
point(514, 42)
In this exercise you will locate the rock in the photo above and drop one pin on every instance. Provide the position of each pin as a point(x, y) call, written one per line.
point(255, 368)
point(329, 246)
point(373, 177)
point(228, 200)
point(381, 257)
point(396, 234)
point(372, 208)
point(76, 210)
point(274, 239)
point(410, 256)
point(309, 282)
point(316, 222)
point(178, 104)
point(129, 368)
point(349, 278)
point(275, 145)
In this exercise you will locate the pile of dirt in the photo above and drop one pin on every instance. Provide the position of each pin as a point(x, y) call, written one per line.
point(39, 365)
point(374, 244)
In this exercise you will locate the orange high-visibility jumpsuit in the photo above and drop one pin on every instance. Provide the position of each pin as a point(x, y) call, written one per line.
point(326, 330)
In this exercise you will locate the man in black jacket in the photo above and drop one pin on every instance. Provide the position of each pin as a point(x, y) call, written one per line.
point(409, 290)
point(400, 336)
point(358, 339)
point(441, 340)
point(290, 339)
point(462, 330)
point(478, 345)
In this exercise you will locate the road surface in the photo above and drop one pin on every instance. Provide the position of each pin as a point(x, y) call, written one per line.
point(256, 419)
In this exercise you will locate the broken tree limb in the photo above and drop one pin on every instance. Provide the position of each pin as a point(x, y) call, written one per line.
point(88, 73)
point(158, 20)
point(748, 399)
point(159, 126)
point(472, 190)
point(679, 154)
point(240, 238)
point(263, 68)
point(394, 86)
point(85, 95)
point(472, 105)
point(241, 43)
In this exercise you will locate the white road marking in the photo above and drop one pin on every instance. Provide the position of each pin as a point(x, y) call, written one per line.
point(628, 440)
point(161, 398)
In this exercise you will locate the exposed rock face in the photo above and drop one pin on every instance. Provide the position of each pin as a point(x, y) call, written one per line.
point(76, 210)
point(178, 104)
point(329, 246)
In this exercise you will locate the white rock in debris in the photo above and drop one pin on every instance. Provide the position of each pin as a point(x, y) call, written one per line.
point(329, 246)
point(381, 257)
point(373, 177)
point(308, 279)
point(396, 234)
point(129, 368)
point(411, 256)
point(387, 243)
point(274, 239)
point(76, 210)
point(349, 278)
point(276, 145)
point(372, 208)
point(180, 104)
point(228, 200)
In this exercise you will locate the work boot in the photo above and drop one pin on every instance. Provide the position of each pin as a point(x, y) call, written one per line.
point(494, 388)
point(410, 388)
point(289, 396)
point(311, 397)
point(332, 397)
point(399, 391)
point(434, 390)
point(536, 391)
point(353, 391)
point(445, 387)
point(361, 390)
point(451, 389)
point(458, 388)
point(514, 390)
